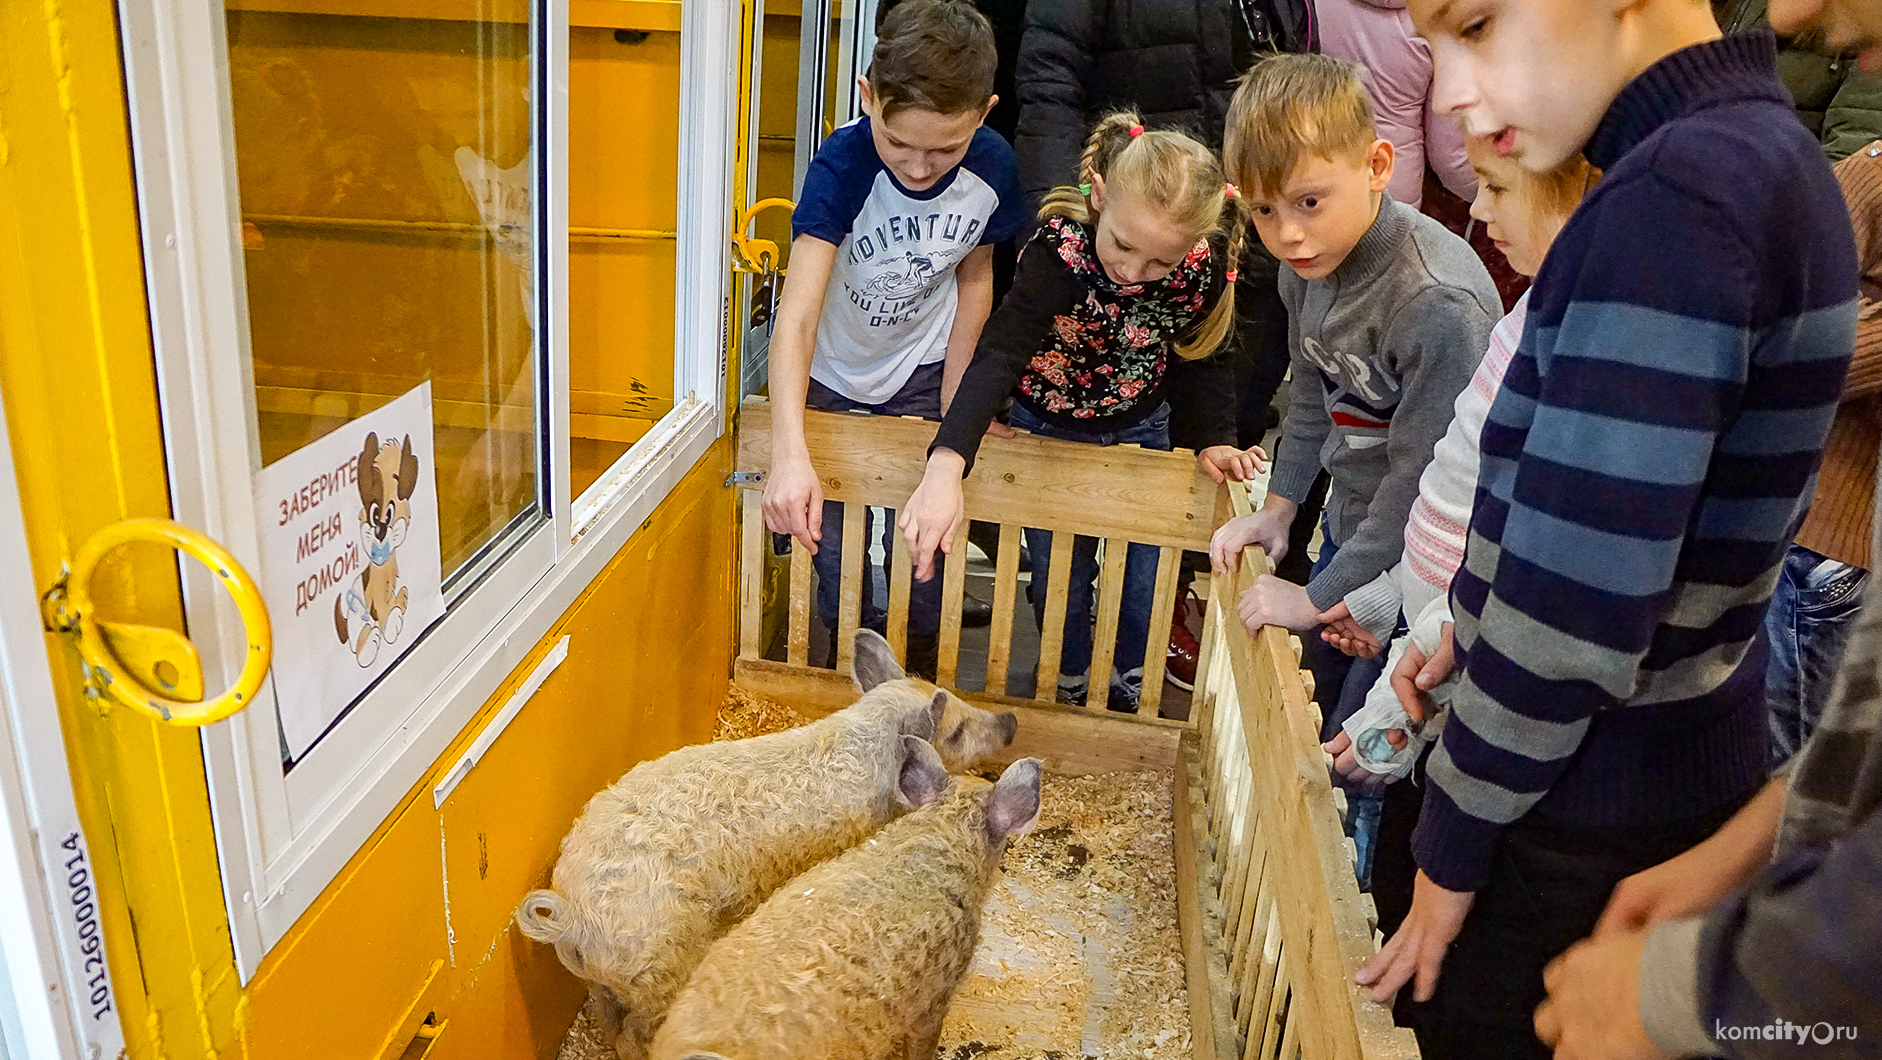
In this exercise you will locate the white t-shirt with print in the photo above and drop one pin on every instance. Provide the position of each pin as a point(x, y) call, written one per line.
point(890, 304)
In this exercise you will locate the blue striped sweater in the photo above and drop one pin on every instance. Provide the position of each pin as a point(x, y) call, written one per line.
point(1651, 453)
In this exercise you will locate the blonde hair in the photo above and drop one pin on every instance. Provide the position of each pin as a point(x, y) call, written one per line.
point(1177, 175)
point(1556, 192)
point(1293, 105)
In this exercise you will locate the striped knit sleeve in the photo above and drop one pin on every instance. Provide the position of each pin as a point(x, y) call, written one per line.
point(1595, 457)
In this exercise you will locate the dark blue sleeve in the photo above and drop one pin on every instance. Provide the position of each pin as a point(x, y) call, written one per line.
point(995, 165)
point(828, 203)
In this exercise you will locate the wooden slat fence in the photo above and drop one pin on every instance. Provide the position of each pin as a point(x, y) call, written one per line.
point(1273, 921)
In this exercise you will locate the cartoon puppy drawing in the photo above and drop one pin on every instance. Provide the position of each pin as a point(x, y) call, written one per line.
point(371, 610)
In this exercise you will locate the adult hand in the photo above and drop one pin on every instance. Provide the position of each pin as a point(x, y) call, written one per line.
point(1417, 949)
point(1417, 674)
point(1266, 528)
point(933, 512)
point(793, 501)
point(1224, 462)
point(1273, 601)
point(1345, 633)
point(1694, 881)
point(1689, 883)
point(1593, 1008)
point(1346, 762)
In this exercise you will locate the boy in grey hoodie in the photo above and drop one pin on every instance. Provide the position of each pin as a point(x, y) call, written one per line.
point(1388, 314)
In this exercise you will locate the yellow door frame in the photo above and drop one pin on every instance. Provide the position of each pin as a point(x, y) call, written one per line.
point(78, 379)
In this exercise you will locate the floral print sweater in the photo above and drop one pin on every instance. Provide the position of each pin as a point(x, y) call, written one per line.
point(1084, 352)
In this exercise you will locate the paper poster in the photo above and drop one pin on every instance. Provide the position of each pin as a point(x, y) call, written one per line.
point(349, 561)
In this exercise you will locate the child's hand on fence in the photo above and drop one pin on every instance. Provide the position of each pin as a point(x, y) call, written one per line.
point(933, 512)
point(794, 500)
point(1345, 633)
point(1346, 762)
point(1224, 462)
point(1273, 601)
point(1417, 949)
point(1266, 528)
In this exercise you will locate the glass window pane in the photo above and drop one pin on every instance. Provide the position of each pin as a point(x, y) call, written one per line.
point(624, 104)
point(386, 181)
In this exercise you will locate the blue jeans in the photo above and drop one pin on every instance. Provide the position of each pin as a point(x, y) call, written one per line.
point(1813, 609)
point(920, 396)
point(1340, 686)
point(1140, 573)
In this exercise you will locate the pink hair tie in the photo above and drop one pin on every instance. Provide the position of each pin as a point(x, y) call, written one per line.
point(1136, 131)
point(1234, 275)
point(1229, 190)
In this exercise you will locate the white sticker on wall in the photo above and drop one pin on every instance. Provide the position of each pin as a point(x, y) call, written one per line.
point(350, 564)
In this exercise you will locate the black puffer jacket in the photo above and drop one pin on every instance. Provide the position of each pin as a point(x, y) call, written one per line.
point(1173, 61)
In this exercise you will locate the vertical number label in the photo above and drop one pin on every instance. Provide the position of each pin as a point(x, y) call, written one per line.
point(91, 943)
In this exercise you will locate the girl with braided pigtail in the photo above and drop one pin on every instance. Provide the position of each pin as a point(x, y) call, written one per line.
point(1118, 303)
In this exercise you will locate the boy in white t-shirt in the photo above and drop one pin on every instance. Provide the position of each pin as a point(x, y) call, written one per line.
point(891, 273)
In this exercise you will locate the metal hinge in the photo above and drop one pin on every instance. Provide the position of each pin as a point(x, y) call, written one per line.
point(744, 478)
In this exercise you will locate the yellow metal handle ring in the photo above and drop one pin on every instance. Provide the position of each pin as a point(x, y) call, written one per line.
point(117, 680)
point(752, 251)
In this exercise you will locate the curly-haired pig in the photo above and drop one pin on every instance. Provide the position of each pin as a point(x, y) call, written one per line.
point(857, 958)
point(683, 847)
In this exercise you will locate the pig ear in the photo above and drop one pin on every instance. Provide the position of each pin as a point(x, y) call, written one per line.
point(1013, 804)
point(875, 664)
point(926, 721)
point(923, 777)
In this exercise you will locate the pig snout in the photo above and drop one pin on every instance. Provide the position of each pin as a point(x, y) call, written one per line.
point(1008, 725)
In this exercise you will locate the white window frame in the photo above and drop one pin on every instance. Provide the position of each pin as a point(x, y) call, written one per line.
point(282, 840)
point(855, 35)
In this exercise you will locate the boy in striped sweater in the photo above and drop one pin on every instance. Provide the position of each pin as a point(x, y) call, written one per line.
point(1645, 465)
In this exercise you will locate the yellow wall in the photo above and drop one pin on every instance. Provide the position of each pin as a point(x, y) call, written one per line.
point(638, 681)
point(76, 375)
point(624, 102)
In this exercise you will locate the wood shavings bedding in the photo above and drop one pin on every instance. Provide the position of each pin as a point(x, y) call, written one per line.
point(1079, 953)
point(744, 715)
point(584, 1040)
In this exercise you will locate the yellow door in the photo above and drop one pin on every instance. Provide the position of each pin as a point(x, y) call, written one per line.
point(326, 204)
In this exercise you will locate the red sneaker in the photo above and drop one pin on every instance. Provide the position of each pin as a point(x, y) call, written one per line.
point(1179, 664)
